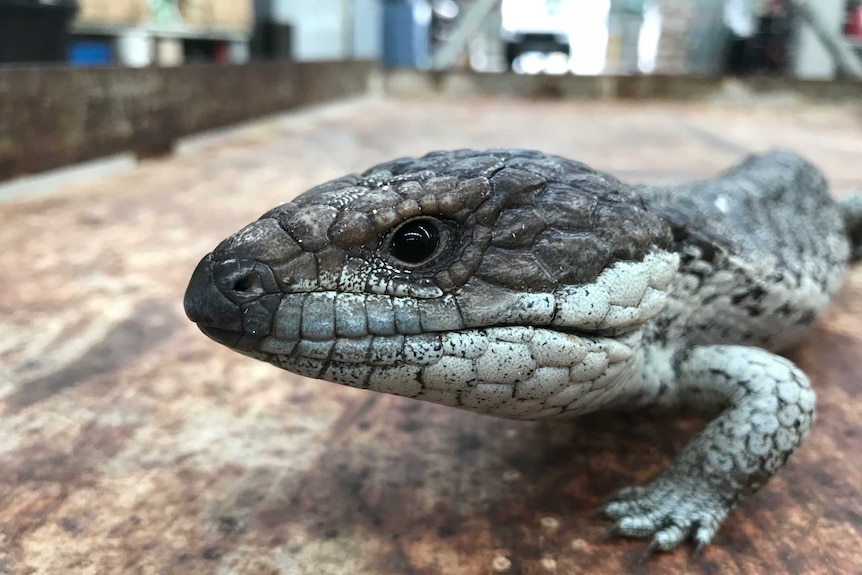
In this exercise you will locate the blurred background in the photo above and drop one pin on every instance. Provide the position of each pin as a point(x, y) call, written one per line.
point(777, 37)
point(86, 79)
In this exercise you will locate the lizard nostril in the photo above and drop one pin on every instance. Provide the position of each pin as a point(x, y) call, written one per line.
point(241, 280)
point(250, 283)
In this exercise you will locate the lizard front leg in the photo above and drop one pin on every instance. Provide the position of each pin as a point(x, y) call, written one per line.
point(768, 407)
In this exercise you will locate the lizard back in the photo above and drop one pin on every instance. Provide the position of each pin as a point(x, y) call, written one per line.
point(763, 249)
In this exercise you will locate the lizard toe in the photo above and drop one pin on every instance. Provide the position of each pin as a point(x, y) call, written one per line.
point(668, 512)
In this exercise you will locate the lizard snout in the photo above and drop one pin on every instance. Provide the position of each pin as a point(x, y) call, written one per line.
point(232, 300)
point(206, 304)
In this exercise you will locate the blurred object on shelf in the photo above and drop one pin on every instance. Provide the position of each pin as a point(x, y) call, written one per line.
point(590, 37)
point(741, 37)
point(33, 31)
point(220, 14)
point(135, 48)
point(764, 49)
point(821, 51)
point(114, 11)
point(853, 27)
point(710, 37)
point(770, 47)
point(407, 33)
point(165, 11)
point(169, 52)
point(544, 27)
point(91, 53)
point(625, 21)
point(221, 54)
point(197, 12)
point(444, 17)
point(272, 41)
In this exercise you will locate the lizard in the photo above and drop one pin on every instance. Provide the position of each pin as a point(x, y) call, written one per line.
point(528, 286)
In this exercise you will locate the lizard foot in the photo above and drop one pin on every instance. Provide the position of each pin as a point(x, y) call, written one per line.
point(669, 510)
point(770, 406)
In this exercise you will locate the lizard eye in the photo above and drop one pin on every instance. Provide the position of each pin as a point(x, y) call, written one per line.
point(415, 241)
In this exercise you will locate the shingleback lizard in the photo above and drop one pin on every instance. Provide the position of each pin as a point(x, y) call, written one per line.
point(525, 285)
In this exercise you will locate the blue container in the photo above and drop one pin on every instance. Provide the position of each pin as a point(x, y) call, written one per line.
point(91, 53)
point(407, 33)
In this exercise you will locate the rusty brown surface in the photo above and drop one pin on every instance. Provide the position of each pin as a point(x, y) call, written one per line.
point(51, 117)
point(133, 444)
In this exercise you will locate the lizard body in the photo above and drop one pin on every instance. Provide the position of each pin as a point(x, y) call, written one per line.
point(525, 285)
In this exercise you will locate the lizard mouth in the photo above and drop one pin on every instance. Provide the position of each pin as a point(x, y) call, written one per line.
point(234, 339)
point(504, 370)
point(223, 336)
point(417, 349)
point(238, 303)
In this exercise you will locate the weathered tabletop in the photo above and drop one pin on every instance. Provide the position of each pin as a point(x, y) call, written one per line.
point(133, 444)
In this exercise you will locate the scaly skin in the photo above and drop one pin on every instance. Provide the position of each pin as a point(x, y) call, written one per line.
point(554, 290)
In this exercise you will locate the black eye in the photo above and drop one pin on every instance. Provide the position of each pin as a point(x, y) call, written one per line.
point(415, 241)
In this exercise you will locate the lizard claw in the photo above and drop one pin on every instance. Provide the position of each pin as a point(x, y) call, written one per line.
point(668, 511)
point(649, 551)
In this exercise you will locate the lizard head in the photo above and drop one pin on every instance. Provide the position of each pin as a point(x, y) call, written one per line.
point(484, 280)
